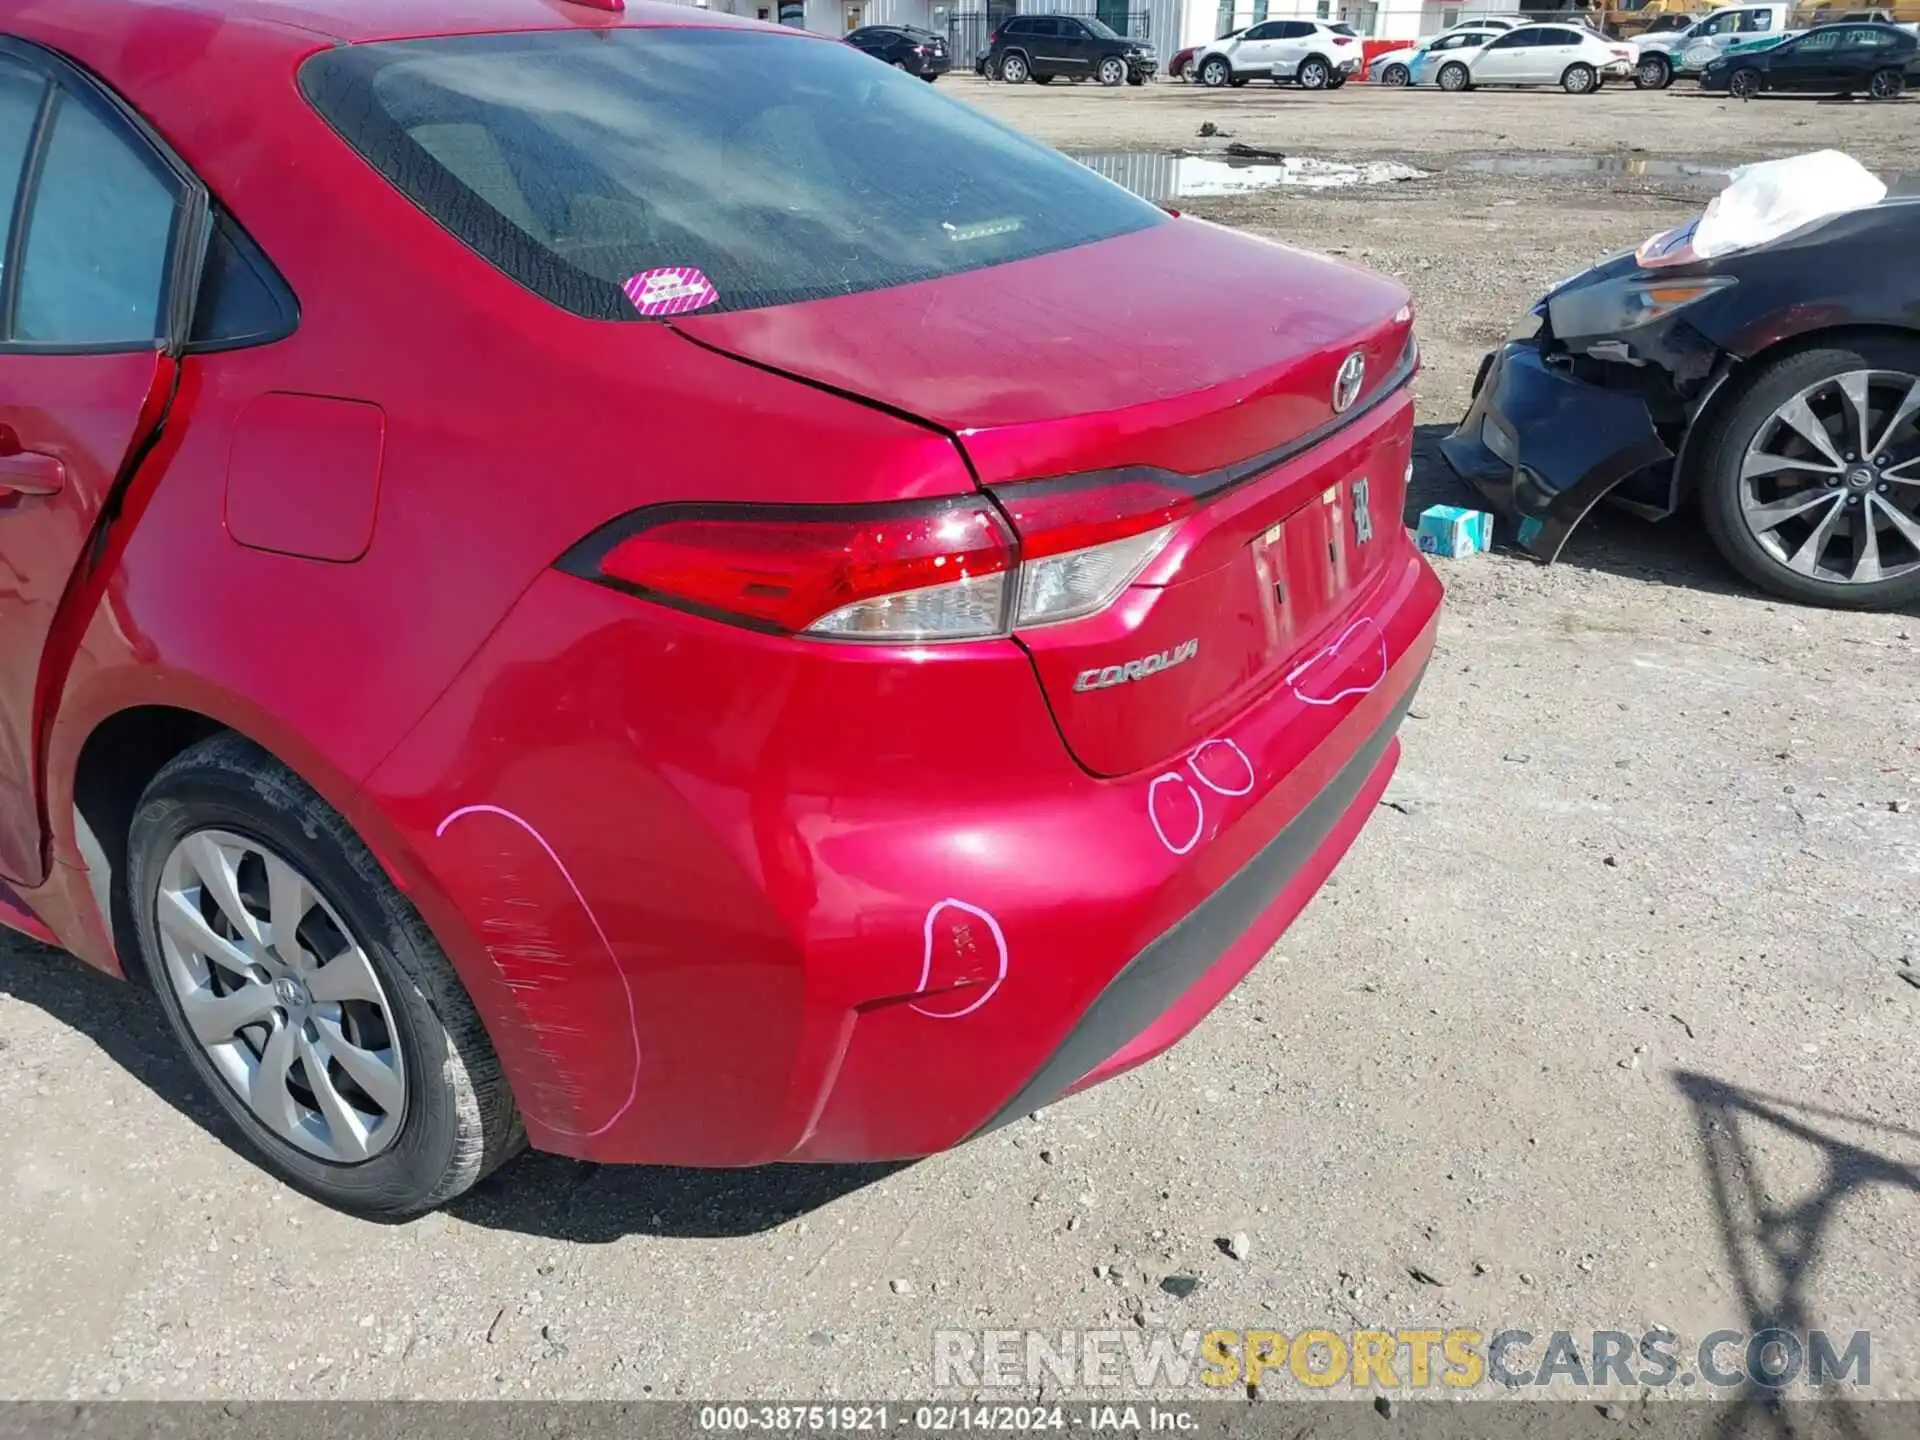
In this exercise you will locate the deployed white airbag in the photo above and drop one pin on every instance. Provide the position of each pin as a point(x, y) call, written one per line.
point(1764, 202)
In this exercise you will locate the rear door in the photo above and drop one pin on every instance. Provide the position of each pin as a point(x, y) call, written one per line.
point(1554, 48)
point(91, 312)
point(1290, 48)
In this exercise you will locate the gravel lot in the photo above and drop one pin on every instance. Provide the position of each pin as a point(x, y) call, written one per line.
point(1601, 1024)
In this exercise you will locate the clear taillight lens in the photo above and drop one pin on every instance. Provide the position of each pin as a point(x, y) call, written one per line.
point(1065, 587)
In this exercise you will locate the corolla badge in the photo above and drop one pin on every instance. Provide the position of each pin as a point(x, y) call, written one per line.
point(1101, 678)
point(1347, 383)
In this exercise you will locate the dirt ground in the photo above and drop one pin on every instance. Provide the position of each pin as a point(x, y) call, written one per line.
point(1601, 1024)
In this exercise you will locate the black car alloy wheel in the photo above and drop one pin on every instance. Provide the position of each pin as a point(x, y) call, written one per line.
point(1653, 73)
point(1888, 84)
point(1812, 485)
point(1745, 84)
point(1112, 70)
point(1394, 75)
point(1013, 68)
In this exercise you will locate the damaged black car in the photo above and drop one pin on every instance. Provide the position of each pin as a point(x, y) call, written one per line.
point(1777, 387)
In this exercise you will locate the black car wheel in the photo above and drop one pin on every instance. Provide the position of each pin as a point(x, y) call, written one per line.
point(1313, 73)
point(930, 78)
point(1215, 72)
point(1338, 79)
point(1888, 84)
point(1653, 73)
point(1113, 70)
point(1454, 77)
point(1135, 77)
point(1810, 480)
point(1184, 70)
point(1240, 80)
point(1744, 84)
point(1579, 79)
point(1043, 79)
point(1395, 76)
point(307, 992)
point(1013, 68)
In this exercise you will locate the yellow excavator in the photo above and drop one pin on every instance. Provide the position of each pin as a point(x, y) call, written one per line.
point(1660, 15)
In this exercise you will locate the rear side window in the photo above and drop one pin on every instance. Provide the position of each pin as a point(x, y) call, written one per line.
point(784, 169)
point(21, 92)
point(99, 237)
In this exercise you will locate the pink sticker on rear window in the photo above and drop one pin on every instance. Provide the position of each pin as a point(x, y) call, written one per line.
point(671, 290)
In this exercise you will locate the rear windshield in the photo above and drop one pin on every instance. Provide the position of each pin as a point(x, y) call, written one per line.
point(778, 167)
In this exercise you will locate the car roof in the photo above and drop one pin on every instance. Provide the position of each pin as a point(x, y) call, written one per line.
point(351, 21)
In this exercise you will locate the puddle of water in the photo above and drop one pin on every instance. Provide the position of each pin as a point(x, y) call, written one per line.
point(1706, 177)
point(1189, 177)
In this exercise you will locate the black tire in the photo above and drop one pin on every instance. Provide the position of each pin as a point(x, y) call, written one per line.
point(1723, 445)
point(1744, 83)
point(1314, 73)
point(1339, 79)
point(1395, 76)
point(1184, 73)
point(1014, 68)
point(1134, 77)
point(1112, 71)
point(1042, 79)
point(1454, 77)
point(1580, 79)
point(1215, 71)
point(459, 1122)
point(1240, 80)
point(1654, 72)
point(930, 78)
point(1887, 84)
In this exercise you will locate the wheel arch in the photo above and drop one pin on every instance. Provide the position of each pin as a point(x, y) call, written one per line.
point(1732, 379)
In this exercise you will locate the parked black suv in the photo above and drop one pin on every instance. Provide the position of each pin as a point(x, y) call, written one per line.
point(1074, 46)
point(918, 52)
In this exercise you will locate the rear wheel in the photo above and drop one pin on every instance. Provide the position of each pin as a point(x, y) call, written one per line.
point(1453, 77)
point(1744, 84)
point(1338, 79)
point(1888, 84)
point(1579, 79)
point(1395, 76)
point(1013, 68)
point(1112, 70)
point(1043, 79)
point(1811, 479)
point(1215, 72)
point(307, 992)
point(1653, 73)
point(1184, 70)
point(1313, 73)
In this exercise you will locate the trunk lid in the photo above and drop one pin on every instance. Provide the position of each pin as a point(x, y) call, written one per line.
point(1184, 355)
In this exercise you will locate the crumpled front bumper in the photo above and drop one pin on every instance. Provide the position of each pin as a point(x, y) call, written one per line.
point(1544, 447)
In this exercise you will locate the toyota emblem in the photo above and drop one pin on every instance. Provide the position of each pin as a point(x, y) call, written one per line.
point(1346, 384)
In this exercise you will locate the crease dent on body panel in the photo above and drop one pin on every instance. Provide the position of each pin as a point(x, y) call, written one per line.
point(84, 583)
point(540, 952)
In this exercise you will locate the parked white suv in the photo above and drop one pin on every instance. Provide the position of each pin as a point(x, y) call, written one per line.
point(1573, 57)
point(1314, 53)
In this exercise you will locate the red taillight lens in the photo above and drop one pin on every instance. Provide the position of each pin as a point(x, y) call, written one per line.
point(1083, 541)
point(945, 570)
point(895, 573)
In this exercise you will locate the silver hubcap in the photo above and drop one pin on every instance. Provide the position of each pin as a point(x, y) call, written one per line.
point(280, 996)
point(1652, 71)
point(1013, 68)
point(1830, 485)
point(1453, 77)
point(1110, 71)
point(1313, 76)
point(1395, 75)
point(1578, 80)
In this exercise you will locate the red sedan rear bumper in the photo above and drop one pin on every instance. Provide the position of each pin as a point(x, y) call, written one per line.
point(726, 899)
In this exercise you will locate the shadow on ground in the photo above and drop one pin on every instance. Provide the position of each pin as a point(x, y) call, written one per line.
point(542, 1195)
point(1774, 1243)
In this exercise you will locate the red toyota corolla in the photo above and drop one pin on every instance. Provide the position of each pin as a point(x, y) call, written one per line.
point(647, 584)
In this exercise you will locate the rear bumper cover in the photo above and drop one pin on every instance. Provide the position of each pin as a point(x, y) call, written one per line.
point(1544, 447)
point(1126, 1024)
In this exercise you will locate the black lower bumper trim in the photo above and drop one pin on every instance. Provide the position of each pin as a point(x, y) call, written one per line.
point(1160, 974)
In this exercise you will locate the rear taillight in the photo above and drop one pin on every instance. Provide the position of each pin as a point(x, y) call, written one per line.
point(1082, 543)
point(948, 570)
